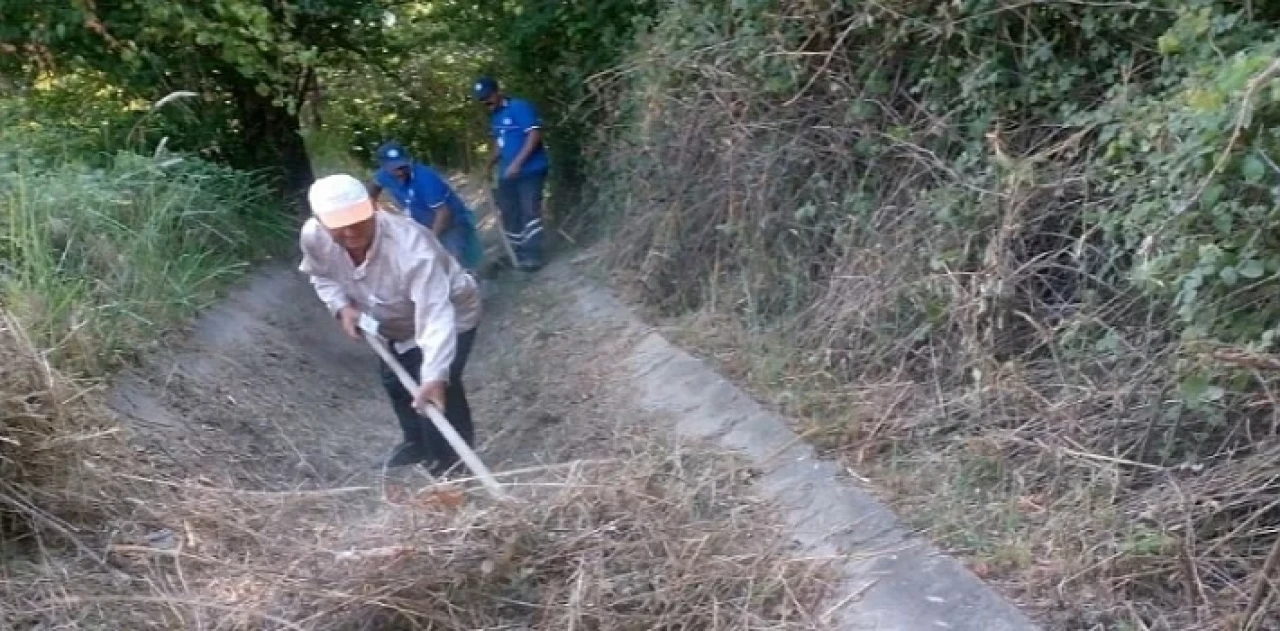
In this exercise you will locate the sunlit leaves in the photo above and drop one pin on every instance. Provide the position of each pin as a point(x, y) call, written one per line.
point(139, 43)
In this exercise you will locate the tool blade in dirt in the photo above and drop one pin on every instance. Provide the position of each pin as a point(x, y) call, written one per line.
point(506, 241)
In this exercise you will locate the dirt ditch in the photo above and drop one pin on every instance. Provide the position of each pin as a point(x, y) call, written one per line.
point(647, 491)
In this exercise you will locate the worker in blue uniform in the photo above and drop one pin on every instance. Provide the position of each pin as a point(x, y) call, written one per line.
point(425, 196)
point(523, 165)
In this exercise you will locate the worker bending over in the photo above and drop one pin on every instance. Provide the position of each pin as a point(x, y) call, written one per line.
point(385, 273)
point(423, 194)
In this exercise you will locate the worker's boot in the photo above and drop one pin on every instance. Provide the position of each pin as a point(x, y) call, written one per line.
point(406, 454)
point(444, 469)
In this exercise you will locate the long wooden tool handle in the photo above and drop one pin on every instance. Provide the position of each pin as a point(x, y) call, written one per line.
point(502, 227)
point(450, 434)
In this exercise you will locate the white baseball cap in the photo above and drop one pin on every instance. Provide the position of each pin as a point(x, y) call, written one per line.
point(339, 201)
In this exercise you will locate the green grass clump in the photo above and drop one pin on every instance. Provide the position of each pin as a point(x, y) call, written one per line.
point(97, 257)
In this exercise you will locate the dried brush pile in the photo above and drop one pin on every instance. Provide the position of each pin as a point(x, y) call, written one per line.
point(951, 235)
point(53, 446)
point(662, 541)
point(665, 539)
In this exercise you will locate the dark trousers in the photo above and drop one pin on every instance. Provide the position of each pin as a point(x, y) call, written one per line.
point(419, 429)
point(520, 200)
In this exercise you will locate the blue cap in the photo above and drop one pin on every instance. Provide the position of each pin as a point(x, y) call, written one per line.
point(484, 86)
point(392, 155)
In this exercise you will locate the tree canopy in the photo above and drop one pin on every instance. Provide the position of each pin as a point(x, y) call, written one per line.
point(388, 67)
point(254, 58)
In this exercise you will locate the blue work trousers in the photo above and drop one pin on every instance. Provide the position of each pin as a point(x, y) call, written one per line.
point(464, 244)
point(520, 200)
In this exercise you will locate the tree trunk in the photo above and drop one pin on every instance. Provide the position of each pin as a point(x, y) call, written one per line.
point(271, 138)
point(315, 97)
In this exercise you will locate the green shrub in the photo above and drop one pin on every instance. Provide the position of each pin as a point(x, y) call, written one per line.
point(81, 116)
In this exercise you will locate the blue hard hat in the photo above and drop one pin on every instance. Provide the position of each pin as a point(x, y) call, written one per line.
point(484, 86)
point(392, 155)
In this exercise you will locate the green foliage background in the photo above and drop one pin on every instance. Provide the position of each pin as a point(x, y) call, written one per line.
point(419, 89)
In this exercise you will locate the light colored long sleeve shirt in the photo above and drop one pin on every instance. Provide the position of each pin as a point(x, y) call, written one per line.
point(408, 283)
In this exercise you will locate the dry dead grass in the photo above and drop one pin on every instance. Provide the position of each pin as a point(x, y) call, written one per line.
point(54, 442)
point(661, 537)
point(1033, 502)
point(967, 338)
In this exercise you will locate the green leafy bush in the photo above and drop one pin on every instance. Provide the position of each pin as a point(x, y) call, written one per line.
point(422, 100)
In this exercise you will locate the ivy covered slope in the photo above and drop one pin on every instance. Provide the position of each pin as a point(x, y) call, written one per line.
point(1018, 260)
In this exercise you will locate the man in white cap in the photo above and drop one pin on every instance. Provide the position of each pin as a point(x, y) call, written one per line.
point(385, 272)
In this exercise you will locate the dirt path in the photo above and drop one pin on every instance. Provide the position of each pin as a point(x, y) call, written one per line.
point(267, 393)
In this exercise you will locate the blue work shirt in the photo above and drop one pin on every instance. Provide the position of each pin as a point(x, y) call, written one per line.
point(423, 194)
point(511, 125)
